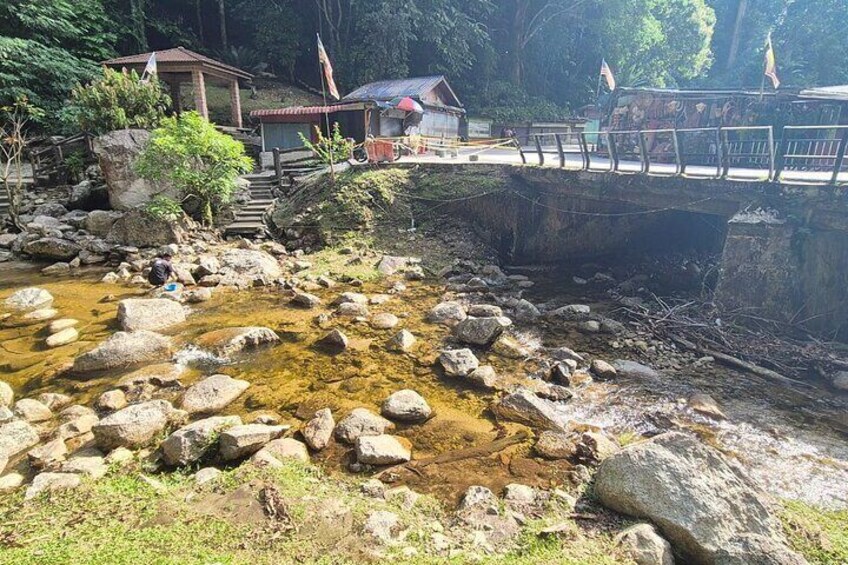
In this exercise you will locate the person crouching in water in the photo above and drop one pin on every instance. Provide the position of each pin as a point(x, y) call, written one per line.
point(161, 270)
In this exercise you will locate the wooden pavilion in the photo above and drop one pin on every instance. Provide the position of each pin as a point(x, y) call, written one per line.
point(179, 65)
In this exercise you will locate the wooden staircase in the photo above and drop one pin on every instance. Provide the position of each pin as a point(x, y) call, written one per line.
point(249, 220)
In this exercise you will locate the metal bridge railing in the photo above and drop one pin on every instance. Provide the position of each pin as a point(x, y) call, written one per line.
point(814, 154)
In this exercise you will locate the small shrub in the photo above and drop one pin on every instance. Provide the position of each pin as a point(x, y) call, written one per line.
point(164, 208)
point(119, 100)
point(334, 148)
point(75, 166)
point(198, 160)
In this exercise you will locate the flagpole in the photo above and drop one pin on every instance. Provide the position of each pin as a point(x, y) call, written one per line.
point(327, 120)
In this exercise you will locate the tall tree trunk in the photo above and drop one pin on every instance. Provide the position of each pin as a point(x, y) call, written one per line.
point(222, 14)
point(516, 59)
point(138, 24)
point(733, 52)
point(198, 4)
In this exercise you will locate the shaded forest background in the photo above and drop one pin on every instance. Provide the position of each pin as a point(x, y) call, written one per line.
point(507, 59)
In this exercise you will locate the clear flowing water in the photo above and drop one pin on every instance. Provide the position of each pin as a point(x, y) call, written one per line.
point(769, 429)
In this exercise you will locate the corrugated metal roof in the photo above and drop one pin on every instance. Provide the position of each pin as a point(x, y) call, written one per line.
point(839, 92)
point(176, 55)
point(300, 110)
point(415, 87)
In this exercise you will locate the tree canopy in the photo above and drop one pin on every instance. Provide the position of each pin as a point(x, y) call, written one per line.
point(505, 58)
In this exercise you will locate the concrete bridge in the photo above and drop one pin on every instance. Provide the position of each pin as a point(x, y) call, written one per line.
point(779, 218)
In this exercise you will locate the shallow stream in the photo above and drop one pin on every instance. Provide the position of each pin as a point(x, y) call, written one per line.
point(770, 430)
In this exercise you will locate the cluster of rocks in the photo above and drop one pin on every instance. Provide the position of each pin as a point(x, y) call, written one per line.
point(31, 306)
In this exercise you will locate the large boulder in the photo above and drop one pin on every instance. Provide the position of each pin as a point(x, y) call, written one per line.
point(134, 426)
point(382, 450)
point(27, 299)
point(149, 314)
point(212, 394)
point(191, 442)
point(697, 498)
point(406, 406)
point(16, 436)
point(117, 152)
point(53, 248)
point(100, 222)
point(124, 350)
point(361, 422)
point(137, 228)
point(478, 331)
point(240, 266)
point(525, 407)
point(229, 341)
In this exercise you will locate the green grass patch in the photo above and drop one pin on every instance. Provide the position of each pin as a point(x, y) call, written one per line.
point(819, 535)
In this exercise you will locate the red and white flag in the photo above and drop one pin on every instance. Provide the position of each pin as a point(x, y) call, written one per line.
point(324, 59)
point(606, 72)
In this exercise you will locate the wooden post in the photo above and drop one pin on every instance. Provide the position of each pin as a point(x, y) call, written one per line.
point(199, 83)
point(235, 103)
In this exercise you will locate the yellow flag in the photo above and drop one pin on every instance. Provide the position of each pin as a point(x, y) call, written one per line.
point(771, 64)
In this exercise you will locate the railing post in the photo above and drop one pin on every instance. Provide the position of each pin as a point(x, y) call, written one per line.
point(771, 153)
point(677, 158)
point(840, 157)
point(520, 150)
point(613, 152)
point(558, 139)
point(643, 153)
point(584, 151)
point(780, 158)
point(539, 150)
point(719, 153)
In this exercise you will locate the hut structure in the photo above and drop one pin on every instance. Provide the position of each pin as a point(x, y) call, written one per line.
point(179, 66)
point(370, 110)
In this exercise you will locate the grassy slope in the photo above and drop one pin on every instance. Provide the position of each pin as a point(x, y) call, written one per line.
point(123, 519)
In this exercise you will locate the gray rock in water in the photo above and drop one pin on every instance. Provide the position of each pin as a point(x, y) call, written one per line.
point(384, 321)
point(406, 406)
point(191, 442)
point(458, 362)
point(305, 300)
point(241, 441)
point(111, 400)
point(486, 377)
point(447, 313)
point(697, 498)
point(32, 410)
point(319, 430)
point(54, 248)
point(361, 422)
point(402, 341)
point(149, 314)
point(212, 394)
point(229, 341)
point(603, 370)
point(572, 312)
point(752, 549)
point(48, 482)
point(133, 426)
point(28, 299)
point(634, 369)
point(248, 263)
point(335, 340)
point(124, 350)
point(644, 546)
point(54, 400)
point(352, 310)
point(62, 337)
point(478, 331)
point(525, 407)
point(382, 450)
point(525, 311)
point(485, 311)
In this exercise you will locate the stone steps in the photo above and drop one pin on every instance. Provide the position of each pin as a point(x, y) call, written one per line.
point(249, 220)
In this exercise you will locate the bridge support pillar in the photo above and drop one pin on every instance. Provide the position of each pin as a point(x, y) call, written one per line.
point(775, 268)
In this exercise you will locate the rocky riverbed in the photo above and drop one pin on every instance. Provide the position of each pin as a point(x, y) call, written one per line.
point(468, 384)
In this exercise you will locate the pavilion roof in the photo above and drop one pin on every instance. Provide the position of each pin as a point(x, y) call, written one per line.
point(181, 57)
